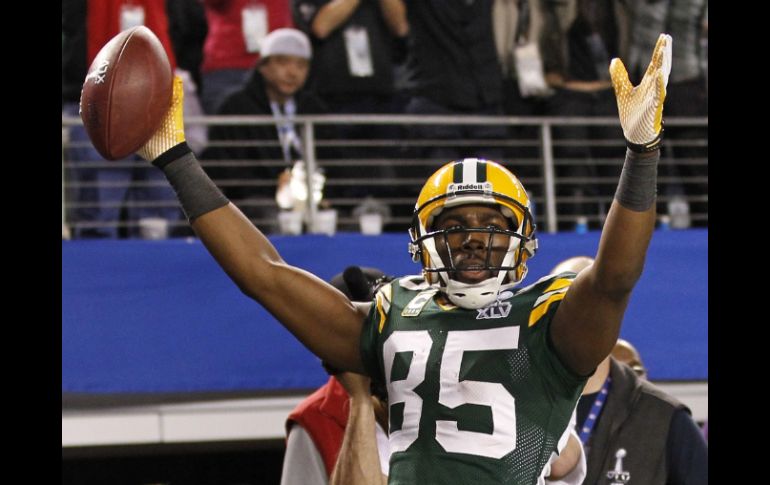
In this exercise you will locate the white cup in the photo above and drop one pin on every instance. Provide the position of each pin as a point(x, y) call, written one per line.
point(153, 228)
point(290, 222)
point(325, 222)
point(371, 224)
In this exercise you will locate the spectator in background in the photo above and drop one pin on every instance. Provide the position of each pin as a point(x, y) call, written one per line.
point(452, 70)
point(73, 71)
point(74, 57)
point(111, 197)
point(363, 455)
point(356, 46)
point(639, 431)
point(627, 354)
point(274, 88)
point(517, 26)
point(231, 49)
point(630, 428)
point(687, 22)
point(579, 39)
point(316, 426)
point(187, 28)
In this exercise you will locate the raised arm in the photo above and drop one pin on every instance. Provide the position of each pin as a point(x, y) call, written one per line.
point(358, 462)
point(587, 323)
point(331, 16)
point(394, 13)
point(318, 314)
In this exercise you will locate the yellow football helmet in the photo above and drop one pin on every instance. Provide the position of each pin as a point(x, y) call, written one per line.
point(473, 181)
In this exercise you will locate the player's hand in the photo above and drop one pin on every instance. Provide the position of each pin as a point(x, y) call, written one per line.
point(171, 131)
point(641, 107)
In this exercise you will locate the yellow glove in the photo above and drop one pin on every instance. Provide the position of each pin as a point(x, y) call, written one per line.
point(171, 131)
point(641, 107)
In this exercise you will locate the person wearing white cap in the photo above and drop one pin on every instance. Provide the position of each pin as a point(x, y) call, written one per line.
point(284, 63)
point(274, 88)
point(236, 29)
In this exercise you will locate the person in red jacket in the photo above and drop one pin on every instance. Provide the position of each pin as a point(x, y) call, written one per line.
point(106, 18)
point(316, 427)
point(231, 49)
point(108, 200)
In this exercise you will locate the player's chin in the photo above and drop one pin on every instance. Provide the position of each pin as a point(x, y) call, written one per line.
point(472, 276)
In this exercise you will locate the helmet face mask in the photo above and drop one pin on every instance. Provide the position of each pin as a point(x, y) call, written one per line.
point(504, 250)
point(495, 243)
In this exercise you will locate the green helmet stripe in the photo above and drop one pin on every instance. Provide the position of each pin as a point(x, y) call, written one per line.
point(457, 173)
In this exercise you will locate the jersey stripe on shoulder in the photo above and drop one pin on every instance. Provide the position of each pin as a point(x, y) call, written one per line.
point(555, 291)
point(413, 283)
point(536, 283)
point(382, 300)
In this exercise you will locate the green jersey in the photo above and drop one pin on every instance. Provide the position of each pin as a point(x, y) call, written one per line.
point(475, 396)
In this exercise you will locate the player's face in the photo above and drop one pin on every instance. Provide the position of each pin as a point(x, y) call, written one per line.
point(285, 74)
point(467, 252)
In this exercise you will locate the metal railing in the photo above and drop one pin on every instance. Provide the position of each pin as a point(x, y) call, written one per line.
point(569, 179)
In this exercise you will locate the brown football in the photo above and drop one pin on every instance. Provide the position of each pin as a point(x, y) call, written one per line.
point(126, 93)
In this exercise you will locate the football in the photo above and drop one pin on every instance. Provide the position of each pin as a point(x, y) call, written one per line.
point(126, 93)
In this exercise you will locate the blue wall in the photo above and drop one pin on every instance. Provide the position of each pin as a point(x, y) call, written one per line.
point(161, 316)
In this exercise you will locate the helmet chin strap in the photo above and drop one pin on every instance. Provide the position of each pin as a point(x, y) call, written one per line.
point(473, 295)
point(481, 294)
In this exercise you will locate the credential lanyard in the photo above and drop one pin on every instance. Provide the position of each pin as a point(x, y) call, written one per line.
point(291, 144)
point(596, 408)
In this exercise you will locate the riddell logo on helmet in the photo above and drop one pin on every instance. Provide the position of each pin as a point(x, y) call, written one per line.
point(460, 187)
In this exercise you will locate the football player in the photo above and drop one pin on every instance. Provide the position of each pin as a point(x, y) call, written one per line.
point(482, 376)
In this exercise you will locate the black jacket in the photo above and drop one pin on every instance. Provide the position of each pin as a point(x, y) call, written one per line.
point(637, 417)
point(252, 99)
point(452, 55)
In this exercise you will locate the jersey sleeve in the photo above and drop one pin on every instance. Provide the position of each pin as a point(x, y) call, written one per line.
point(549, 293)
point(372, 330)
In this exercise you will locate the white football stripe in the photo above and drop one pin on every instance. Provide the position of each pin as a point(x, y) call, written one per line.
point(469, 171)
point(548, 295)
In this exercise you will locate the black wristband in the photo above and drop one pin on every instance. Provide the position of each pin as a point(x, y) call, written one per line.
point(175, 152)
point(196, 192)
point(637, 187)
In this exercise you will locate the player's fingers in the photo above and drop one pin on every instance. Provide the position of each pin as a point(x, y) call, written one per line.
point(619, 77)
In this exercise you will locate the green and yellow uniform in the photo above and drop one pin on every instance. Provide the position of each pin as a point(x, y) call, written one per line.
point(476, 396)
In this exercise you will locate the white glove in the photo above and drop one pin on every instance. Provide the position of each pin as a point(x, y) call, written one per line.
point(641, 107)
point(171, 131)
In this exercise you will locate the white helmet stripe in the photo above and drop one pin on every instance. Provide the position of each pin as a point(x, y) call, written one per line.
point(469, 171)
